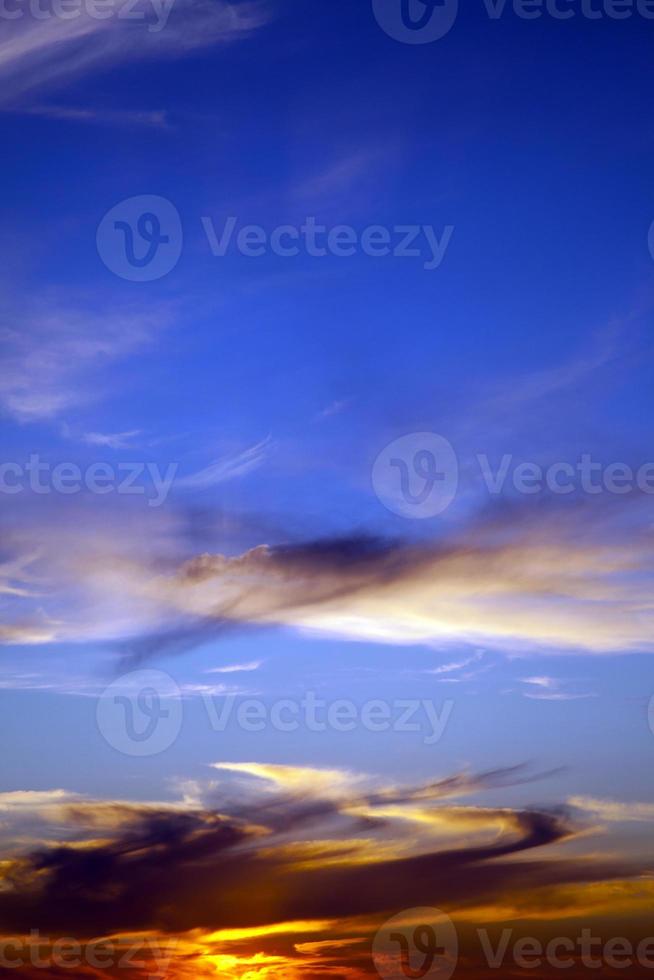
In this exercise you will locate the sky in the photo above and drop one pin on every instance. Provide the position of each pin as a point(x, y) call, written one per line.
point(326, 553)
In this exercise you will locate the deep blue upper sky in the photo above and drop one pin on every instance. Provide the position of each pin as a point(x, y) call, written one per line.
point(533, 139)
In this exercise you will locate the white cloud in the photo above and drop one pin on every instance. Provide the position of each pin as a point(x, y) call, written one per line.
point(237, 668)
point(40, 55)
point(336, 408)
point(552, 689)
point(529, 593)
point(50, 361)
point(457, 665)
point(614, 812)
point(111, 440)
point(228, 468)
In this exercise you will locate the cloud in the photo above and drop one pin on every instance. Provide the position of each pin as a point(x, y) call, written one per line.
point(458, 665)
point(15, 579)
point(347, 185)
point(295, 778)
point(614, 811)
point(28, 634)
point(289, 871)
point(228, 468)
point(156, 119)
point(32, 798)
point(547, 682)
point(537, 385)
point(111, 440)
point(335, 408)
point(549, 689)
point(50, 361)
point(296, 871)
point(516, 582)
point(41, 55)
point(237, 668)
point(559, 696)
point(531, 587)
point(176, 869)
point(341, 175)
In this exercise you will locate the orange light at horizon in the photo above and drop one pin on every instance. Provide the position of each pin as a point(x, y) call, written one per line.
point(277, 929)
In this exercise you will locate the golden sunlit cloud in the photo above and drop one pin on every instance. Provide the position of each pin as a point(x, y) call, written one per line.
point(292, 880)
point(519, 586)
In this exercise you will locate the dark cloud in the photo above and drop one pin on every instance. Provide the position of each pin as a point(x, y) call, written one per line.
point(175, 871)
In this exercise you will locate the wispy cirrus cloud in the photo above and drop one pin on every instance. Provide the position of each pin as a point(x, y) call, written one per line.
point(347, 183)
point(229, 467)
point(16, 578)
point(237, 668)
point(153, 119)
point(456, 667)
point(111, 440)
point(545, 688)
point(37, 56)
point(52, 359)
point(335, 408)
